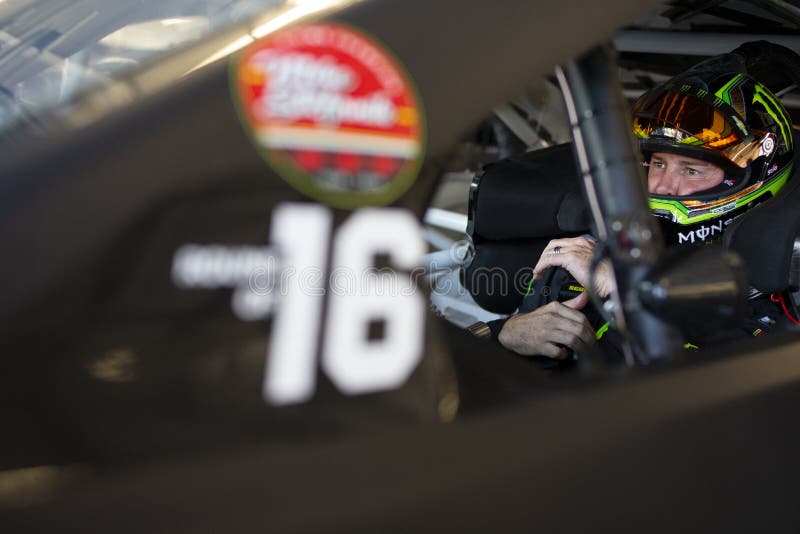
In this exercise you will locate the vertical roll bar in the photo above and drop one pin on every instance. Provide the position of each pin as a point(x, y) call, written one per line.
point(615, 190)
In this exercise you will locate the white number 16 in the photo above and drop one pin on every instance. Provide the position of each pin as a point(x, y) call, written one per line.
point(360, 296)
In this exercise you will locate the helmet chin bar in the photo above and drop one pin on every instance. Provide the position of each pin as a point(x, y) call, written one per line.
point(649, 293)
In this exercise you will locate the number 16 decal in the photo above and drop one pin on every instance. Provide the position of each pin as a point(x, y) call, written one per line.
point(360, 296)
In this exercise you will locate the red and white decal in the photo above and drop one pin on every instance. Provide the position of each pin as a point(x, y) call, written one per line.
point(333, 113)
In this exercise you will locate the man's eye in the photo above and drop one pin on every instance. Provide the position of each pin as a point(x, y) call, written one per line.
point(692, 172)
point(657, 164)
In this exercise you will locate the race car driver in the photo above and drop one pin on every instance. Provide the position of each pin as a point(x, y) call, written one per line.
point(716, 142)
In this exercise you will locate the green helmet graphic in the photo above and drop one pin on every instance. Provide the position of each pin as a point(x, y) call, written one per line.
point(727, 119)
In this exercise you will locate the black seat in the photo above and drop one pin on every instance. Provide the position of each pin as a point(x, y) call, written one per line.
point(516, 206)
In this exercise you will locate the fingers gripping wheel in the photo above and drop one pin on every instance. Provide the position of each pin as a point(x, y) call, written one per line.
point(557, 284)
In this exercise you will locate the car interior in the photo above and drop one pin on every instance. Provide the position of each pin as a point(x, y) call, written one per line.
point(514, 184)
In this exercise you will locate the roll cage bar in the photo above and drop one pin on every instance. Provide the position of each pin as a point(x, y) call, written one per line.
point(628, 234)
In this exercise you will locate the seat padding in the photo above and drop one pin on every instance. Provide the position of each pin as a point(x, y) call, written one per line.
point(536, 194)
point(516, 206)
point(764, 238)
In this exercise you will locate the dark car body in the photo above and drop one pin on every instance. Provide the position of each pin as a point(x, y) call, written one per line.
point(132, 403)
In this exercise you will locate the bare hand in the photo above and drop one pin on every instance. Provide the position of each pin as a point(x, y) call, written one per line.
point(575, 255)
point(549, 330)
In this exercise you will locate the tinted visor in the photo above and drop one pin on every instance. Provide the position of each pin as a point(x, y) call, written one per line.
point(685, 119)
point(682, 122)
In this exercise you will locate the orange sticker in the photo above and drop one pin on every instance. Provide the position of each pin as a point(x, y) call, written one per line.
point(333, 113)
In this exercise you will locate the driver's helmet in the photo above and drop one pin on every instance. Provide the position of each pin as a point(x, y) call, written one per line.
point(728, 119)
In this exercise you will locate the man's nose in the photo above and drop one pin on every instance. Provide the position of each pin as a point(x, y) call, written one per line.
point(666, 183)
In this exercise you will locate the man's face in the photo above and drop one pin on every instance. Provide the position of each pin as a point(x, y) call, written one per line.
point(676, 175)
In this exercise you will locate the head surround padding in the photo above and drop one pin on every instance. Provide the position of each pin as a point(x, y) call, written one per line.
point(765, 235)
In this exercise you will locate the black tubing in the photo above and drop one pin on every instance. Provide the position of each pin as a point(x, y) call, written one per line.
point(614, 185)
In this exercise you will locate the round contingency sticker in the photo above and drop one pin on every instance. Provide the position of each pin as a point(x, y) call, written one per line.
point(333, 113)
